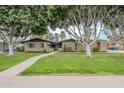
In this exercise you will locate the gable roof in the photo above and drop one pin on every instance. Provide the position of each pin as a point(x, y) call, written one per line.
point(42, 40)
point(72, 40)
point(36, 40)
point(69, 40)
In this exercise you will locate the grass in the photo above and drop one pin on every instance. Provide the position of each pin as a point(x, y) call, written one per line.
point(77, 63)
point(9, 61)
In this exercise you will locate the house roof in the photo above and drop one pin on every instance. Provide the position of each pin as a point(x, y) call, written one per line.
point(68, 40)
point(72, 40)
point(36, 40)
point(42, 40)
point(100, 40)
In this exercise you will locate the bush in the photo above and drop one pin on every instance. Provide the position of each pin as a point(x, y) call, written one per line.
point(44, 51)
point(96, 49)
point(20, 48)
point(69, 49)
point(64, 49)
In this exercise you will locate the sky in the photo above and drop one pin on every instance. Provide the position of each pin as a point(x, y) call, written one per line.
point(102, 35)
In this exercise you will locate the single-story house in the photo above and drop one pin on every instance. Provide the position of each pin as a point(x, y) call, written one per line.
point(69, 45)
point(37, 45)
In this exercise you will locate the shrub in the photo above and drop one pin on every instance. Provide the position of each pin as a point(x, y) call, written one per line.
point(69, 49)
point(96, 49)
point(64, 49)
point(44, 51)
point(20, 48)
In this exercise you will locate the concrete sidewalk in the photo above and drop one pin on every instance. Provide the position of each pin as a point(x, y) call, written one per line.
point(13, 71)
point(62, 82)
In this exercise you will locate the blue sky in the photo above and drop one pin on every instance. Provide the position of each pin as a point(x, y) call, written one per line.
point(102, 36)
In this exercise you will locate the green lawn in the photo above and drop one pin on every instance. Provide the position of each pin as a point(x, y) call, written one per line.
point(9, 61)
point(77, 63)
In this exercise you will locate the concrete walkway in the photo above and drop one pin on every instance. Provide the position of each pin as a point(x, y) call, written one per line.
point(63, 82)
point(13, 71)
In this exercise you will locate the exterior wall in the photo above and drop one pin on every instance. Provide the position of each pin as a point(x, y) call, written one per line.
point(80, 48)
point(71, 46)
point(37, 47)
point(119, 46)
point(94, 46)
point(68, 46)
point(103, 46)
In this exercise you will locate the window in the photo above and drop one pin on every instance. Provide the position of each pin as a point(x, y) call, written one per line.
point(31, 45)
point(42, 45)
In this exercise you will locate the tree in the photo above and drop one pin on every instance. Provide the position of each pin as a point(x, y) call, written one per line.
point(62, 35)
point(56, 36)
point(11, 20)
point(82, 23)
point(18, 22)
point(49, 36)
point(114, 26)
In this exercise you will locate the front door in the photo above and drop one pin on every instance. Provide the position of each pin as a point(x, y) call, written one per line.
point(56, 47)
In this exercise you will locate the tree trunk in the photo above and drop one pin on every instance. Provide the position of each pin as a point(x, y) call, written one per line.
point(11, 50)
point(88, 51)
